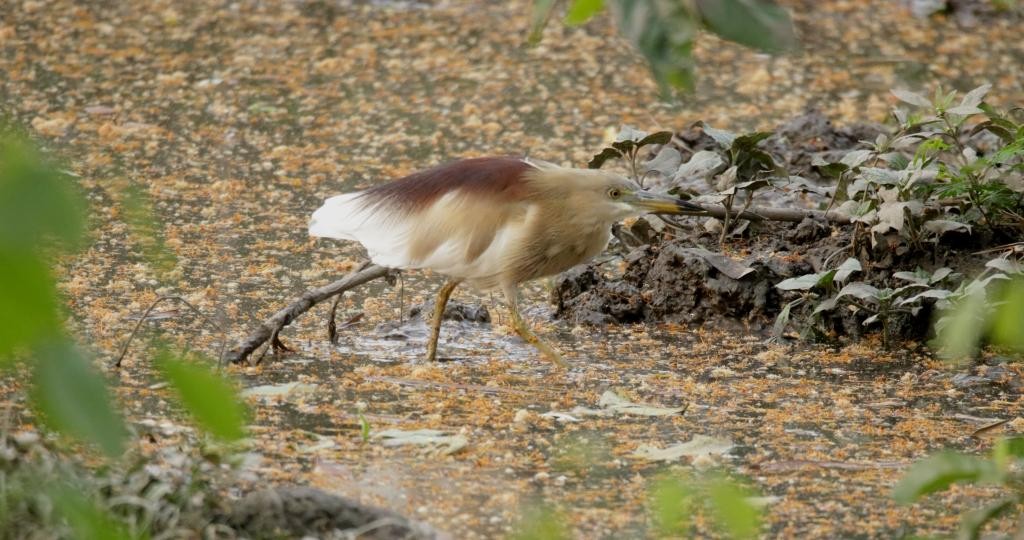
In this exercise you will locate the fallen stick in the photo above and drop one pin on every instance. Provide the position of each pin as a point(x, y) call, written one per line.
point(271, 328)
point(757, 213)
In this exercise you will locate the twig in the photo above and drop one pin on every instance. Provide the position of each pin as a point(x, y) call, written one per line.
point(757, 213)
point(332, 328)
point(145, 314)
point(271, 328)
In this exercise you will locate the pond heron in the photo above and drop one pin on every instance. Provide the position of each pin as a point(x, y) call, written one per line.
point(492, 222)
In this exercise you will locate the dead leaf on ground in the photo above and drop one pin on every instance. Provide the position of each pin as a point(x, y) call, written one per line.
point(699, 445)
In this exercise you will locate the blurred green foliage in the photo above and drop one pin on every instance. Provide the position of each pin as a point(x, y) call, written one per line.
point(674, 499)
point(939, 472)
point(664, 31)
point(541, 522)
point(202, 392)
point(43, 218)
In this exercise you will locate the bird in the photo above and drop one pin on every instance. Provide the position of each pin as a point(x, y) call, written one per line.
point(490, 222)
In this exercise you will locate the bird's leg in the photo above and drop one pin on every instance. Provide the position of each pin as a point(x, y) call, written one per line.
point(549, 352)
point(435, 321)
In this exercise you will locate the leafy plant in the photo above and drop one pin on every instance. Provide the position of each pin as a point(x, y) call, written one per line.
point(937, 473)
point(748, 169)
point(627, 146)
point(811, 286)
point(932, 182)
point(664, 31)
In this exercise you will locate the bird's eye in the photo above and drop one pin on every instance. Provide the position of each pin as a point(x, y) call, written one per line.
point(614, 193)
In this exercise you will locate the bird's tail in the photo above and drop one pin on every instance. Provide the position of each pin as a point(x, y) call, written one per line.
point(339, 217)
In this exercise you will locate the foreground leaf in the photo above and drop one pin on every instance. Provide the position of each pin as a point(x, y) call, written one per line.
point(733, 510)
point(541, 522)
point(210, 399)
point(72, 398)
point(1008, 321)
point(939, 472)
point(961, 326)
point(973, 521)
point(755, 23)
point(37, 201)
point(581, 11)
point(663, 31)
point(540, 13)
point(28, 301)
point(672, 502)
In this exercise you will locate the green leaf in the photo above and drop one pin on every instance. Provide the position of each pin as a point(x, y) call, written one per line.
point(807, 281)
point(833, 170)
point(760, 24)
point(672, 504)
point(1008, 321)
point(961, 326)
point(912, 98)
point(37, 201)
point(146, 228)
point(1008, 447)
point(541, 522)
point(28, 302)
point(658, 137)
point(859, 289)
point(733, 511)
point(540, 13)
point(847, 269)
point(72, 397)
point(826, 305)
point(938, 472)
point(88, 520)
point(722, 137)
point(973, 521)
point(581, 11)
point(663, 32)
point(749, 141)
point(599, 159)
point(208, 397)
point(782, 320)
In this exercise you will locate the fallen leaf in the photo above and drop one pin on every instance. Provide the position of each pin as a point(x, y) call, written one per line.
point(611, 401)
point(699, 445)
point(423, 437)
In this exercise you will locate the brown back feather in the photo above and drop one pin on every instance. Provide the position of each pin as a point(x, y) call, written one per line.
point(498, 177)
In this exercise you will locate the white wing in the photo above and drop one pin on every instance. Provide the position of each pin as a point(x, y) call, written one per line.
point(458, 235)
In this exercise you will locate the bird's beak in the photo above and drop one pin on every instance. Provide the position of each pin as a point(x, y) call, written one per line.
point(657, 203)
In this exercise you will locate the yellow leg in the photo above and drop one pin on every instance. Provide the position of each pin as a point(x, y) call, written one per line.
point(549, 352)
point(435, 321)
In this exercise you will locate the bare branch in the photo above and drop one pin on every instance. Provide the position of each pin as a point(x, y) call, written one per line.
point(757, 213)
point(271, 328)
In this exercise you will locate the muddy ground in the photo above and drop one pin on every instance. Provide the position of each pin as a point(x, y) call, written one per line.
point(657, 272)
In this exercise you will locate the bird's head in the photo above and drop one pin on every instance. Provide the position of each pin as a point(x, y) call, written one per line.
point(624, 198)
point(612, 197)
